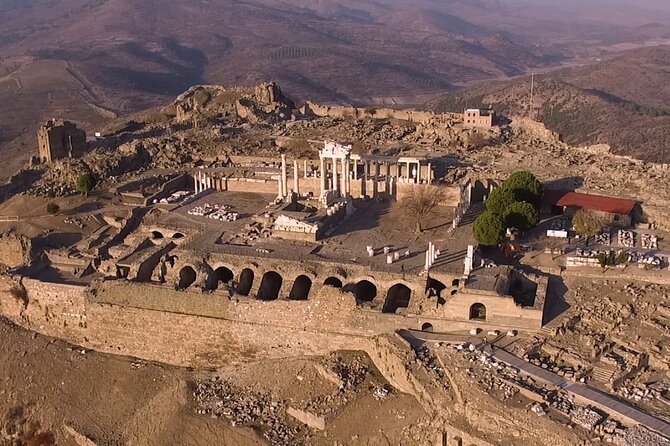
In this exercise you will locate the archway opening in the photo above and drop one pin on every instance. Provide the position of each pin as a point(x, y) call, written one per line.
point(270, 286)
point(478, 312)
point(398, 296)
point(187, 276)
point(246, 282)
point(455, 283)
point(157, 235)
point(365, 291)
point(453, 292)
point(434, 287)
point(333, 281)
point(427, 327)
point(177, 235)
point(222, 275)
point(300, 289)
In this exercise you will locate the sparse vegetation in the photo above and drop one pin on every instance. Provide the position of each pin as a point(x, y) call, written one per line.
point(525, 187)
point(419, 203)
point(521, 215)
point(19, 293)
point(53, 208)
point(586, 223)
point(17, 430)
point(489, 229)
point(500, 199)
point(86, 183)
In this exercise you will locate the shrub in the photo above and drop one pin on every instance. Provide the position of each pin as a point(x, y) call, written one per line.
point(19, 293)
point(586, 223)
point(521, 215)
point(86, 183)
point(525, 187)
point(489, 229)
point(52, 208)
point(500, 199)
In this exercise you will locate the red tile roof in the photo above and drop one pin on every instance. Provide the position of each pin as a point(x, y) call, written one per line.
point(600, 203)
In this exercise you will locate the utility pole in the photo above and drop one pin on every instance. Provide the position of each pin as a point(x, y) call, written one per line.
point(532, 90)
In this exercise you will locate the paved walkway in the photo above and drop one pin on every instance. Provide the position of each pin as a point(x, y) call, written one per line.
point(590, 395)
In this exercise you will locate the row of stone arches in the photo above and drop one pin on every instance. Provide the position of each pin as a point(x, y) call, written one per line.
point(158, 235)
point(398, 296)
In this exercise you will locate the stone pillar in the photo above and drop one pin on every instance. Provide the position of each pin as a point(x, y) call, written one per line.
point(279, 187)
point(398, 170)
point(322, 166)
point(284, 179)
point(305, 168)
point(195, 182)
point(430, 173)
point(387, 178)
point(366, 171)
point(418, 173)
point(296, 185)
point(375, 186)
point(355, 169)
point(336, 180)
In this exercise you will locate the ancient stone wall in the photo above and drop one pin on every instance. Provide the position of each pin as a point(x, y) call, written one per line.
point(14, 250)
point(500, 311)
point(159, 324)
point(60, 139)
point(421, 117)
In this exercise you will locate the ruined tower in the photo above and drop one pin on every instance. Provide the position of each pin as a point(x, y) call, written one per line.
point(60, 139)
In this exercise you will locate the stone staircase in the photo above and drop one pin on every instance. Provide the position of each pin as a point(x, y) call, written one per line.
point(472, 213)
point(603, 373)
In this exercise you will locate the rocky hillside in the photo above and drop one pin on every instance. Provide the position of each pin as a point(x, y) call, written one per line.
point(623, 102)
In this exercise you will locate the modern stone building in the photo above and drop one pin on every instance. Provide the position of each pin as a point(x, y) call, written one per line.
point(60, 139)
point(475, 117)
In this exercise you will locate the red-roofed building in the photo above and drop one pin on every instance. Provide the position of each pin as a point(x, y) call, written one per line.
point(615, 209)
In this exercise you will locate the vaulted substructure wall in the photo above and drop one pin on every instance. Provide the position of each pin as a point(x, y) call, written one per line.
point(301, 287)
point(187, 276)
point(398, 296)
point(270, 286)
point(246, 282)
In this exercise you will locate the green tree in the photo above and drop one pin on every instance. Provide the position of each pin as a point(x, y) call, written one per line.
point(525, 187)
point(521, 215)
point(52, 208)
point(586, 223)
point(489, 229)
point(86, 183)
point(500, 199)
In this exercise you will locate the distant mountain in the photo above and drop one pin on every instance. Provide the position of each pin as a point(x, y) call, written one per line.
point(86, 60)
point(624, 102)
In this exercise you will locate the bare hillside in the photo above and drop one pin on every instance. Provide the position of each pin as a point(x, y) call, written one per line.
point(624, 102)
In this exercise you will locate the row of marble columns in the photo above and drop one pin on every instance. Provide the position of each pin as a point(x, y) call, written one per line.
point(341, 176)
point(371, 168)
point(203, 182)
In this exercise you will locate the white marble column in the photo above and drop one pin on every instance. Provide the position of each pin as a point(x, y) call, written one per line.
point(284, 178)
point(430, 173)
point(304, 165)
point(336, 179)
point(366, 172)
point(345, 177)
point(418, 173)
